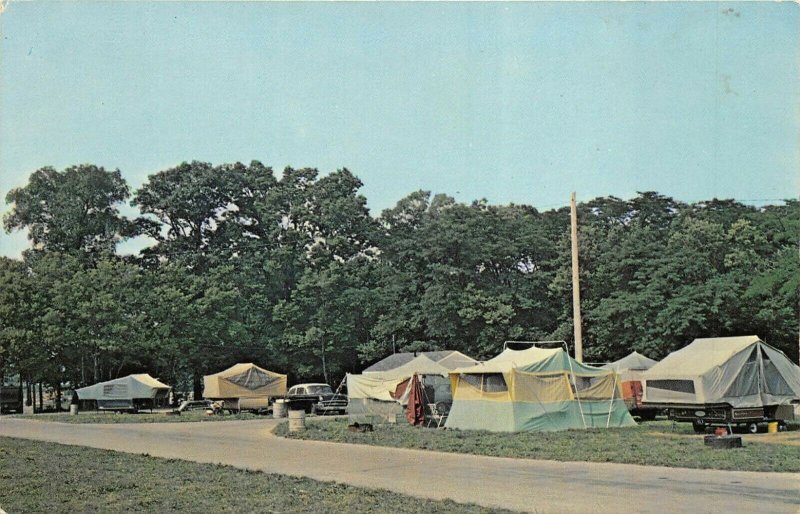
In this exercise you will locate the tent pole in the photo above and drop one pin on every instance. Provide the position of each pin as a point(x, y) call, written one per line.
point(577, 396)
point(611, 402)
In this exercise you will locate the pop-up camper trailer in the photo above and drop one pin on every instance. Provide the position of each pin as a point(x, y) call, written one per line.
point(131, 393)
point(725, 380)
point(244, 387)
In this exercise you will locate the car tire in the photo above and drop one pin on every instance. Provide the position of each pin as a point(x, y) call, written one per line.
point(752, 428)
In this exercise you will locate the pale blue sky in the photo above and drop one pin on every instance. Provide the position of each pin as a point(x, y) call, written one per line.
point(512, 102)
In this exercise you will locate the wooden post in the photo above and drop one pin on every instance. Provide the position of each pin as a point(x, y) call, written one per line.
point(576, 287)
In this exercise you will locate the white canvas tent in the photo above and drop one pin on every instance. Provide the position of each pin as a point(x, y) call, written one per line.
point(743, 372)
point(631, 366)
point(630, 369)
point(381, 396)
point(450, 359)
point(126, 393)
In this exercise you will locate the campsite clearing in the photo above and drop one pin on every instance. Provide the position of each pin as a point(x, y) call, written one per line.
point(660, 443)
point(155, 417)
point(92, 480)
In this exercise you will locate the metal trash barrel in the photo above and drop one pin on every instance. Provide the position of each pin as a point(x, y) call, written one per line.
point(297, 420)
point(73, 409)
point(279, 408)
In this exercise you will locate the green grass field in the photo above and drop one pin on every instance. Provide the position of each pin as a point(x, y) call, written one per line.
point(659, 443)
point(48, 477)
point(141, 417)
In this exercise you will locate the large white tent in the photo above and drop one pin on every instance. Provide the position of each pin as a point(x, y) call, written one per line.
point(450, 359)
point(381, 396)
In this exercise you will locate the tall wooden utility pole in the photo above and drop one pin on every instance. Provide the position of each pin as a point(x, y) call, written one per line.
point(576, 287)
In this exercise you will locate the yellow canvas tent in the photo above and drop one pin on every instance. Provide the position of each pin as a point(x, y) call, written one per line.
point(534, 390)
point(244, 386)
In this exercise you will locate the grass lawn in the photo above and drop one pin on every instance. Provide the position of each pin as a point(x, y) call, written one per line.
point(47, 477)
point(659, 443)
point(141, 417)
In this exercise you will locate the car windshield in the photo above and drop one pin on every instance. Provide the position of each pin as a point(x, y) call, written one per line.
point(320, 389)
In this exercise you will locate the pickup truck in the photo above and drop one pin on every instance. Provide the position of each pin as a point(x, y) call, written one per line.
point(316, 399)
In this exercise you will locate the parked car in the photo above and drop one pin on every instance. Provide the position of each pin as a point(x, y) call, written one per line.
point(316, 399)
point(195, 405)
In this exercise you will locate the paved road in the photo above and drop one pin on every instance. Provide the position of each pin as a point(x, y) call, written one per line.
point(527, 485)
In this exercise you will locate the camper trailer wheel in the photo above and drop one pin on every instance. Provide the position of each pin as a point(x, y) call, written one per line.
point(648, 415)
point(782, 426)
point(752, 428)
point(699, 426)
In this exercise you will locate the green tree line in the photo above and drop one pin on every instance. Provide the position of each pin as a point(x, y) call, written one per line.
point(292, 271)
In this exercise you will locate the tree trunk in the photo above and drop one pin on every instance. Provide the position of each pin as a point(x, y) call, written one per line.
point(197, 385)
point(29, 395)
point(58, 396)
point(41, 398)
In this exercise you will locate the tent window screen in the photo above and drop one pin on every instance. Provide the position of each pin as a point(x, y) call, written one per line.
point(251, 379)
point(775, 382)
point(115, 389)
point(681, 386)
point(494, 383)
point(486, 382)
point(587, 382)
point(473, 380)
point(746, 382)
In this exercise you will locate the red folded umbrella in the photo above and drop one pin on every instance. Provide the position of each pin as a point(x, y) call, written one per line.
point(415, 411)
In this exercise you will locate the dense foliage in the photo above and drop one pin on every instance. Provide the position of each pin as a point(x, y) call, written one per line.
point(292, 272)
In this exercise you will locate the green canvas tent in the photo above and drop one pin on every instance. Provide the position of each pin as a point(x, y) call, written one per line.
point(536, 389)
